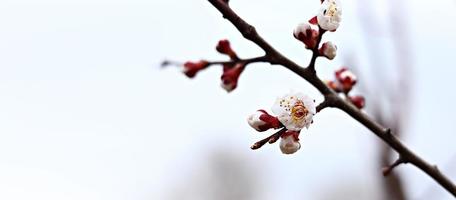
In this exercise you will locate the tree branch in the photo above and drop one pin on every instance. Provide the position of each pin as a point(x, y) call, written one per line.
point(274, 57)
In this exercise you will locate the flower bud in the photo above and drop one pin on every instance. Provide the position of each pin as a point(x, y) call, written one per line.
point(358, 101)
point(230, 76)
point(191, 68)
point(289, 142)
point(262, 121)
point(346, 79)
point(224, 47)
point(304, 33)
point(328, 50)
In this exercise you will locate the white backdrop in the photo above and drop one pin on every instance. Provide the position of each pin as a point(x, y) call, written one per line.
point(86, 113)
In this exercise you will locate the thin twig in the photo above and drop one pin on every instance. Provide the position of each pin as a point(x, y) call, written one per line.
point(315, 52)
point(271, 139)
point(274, 57)
point(247, 61)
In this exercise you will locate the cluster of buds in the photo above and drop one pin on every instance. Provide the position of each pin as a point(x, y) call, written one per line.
point(293, 112)
point(328, 19)
point(343, 83)
point(231, 70)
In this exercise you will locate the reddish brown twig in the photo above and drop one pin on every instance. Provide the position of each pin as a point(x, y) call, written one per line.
point(274, 57)
point(247, 61)
point(271, 139)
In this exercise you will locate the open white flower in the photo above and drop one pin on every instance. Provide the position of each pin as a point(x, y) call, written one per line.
point(330, 14)
point(295, 111)
point(289, 144)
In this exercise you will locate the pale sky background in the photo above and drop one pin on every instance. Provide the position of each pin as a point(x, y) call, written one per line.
point(86, 113)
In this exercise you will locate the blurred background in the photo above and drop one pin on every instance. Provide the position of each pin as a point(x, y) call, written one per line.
point(87, 113)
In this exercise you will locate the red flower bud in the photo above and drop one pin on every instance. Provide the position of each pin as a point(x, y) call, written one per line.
point(306, 34)
point(328, 50)
point(262, 121)
point(191, 68)
point(358, 101)
point(224, 47)
point(231, 75)
point(346, 79)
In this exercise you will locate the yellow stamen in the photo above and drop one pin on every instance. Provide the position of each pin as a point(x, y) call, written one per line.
point(299, 111)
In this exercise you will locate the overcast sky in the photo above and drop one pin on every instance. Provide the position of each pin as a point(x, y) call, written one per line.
point(86, 113)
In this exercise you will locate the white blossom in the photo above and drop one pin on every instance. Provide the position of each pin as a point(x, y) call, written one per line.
point(295, 111)
point(330, 14)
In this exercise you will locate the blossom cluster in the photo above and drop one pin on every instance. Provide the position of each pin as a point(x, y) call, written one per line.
point(327, 19)
point(231, 70)
point(293, 112)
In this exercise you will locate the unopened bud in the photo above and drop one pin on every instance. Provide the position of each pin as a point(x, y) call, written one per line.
point(346, 79)
point(262, 121)
point(224, 47)
point(328, 50)
point(304, 33)
point(289, 142)
point(358, 101)
point(230, 76)
point(192, 68)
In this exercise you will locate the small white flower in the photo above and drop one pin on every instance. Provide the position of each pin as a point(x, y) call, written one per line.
point(289, 144)
point(329, 50)
point(255, 121)
point(330, 14)
point(295, 111)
